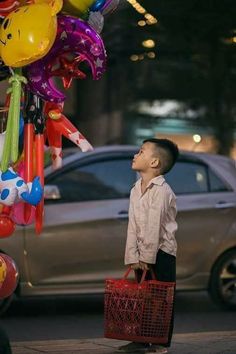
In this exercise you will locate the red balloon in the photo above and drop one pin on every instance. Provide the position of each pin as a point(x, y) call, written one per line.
point(68, 70)
point(8, 6)
point(9, 284)
point(57, 125)
point(7, 226)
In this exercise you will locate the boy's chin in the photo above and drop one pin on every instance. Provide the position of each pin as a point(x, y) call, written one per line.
point(134, 168)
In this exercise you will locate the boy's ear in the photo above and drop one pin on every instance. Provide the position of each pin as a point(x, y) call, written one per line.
point(155, 162)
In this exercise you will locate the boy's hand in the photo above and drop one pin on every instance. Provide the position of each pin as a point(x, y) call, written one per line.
point(135, 266)
point(143, 265)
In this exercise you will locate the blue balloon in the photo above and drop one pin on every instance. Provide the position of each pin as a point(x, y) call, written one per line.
point(21, 128)
point(35, 194)
point(97, 5)
point(21, 135)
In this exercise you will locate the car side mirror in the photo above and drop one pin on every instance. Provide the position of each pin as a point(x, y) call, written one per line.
point(51, 192)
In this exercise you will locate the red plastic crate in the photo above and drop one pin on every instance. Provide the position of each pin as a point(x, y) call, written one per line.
point(138, 312)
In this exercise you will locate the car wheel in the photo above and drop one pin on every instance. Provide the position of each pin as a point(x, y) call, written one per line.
point(222, 286)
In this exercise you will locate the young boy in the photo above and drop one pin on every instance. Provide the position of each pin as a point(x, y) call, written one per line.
point(152, 226)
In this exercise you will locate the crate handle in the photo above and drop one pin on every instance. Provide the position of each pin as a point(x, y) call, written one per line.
point(143, 275)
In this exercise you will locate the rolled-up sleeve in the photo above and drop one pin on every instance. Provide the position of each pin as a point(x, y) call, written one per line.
point(152, 226)
point(131, 249)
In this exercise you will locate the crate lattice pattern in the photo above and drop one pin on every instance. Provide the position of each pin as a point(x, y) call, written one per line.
point(138, 312)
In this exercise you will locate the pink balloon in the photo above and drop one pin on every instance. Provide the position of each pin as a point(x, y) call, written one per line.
point(17, 214)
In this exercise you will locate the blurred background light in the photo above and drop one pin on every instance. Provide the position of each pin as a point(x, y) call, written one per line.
point(197, 138)
point(148, 43)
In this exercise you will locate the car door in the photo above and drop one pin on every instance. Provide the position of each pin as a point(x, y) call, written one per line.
point(84, 231)
point(202, 219)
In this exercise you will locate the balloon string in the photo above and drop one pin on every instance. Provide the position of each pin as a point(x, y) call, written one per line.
point(12, 132)
point(16, 81)
point(7, 144)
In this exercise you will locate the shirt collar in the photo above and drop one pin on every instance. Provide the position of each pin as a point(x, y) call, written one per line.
point(159, 180)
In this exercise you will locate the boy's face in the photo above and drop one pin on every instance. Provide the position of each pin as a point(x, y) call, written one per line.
point(146, 158)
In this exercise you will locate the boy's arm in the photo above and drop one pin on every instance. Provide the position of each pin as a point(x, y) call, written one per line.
point(131, 249)
point(156, 212)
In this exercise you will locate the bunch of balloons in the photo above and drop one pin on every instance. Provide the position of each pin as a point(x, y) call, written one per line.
point(40, 40)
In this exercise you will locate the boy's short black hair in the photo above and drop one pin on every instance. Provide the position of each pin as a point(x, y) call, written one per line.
point(168, 152)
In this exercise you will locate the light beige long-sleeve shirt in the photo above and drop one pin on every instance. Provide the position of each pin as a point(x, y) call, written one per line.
point(152, 224)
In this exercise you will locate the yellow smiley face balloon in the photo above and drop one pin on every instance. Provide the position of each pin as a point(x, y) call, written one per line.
point(77, 7)
point(28, 33)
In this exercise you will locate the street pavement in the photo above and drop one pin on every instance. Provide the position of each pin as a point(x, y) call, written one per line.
point(189, 343)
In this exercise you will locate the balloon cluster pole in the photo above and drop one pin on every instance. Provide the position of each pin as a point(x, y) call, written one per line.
point(28, 149)
point(28, 152)
point(28, 174)
point(39, 140)
point(39, 123)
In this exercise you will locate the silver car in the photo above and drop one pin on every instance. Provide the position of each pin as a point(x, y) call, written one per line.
point(86, 213)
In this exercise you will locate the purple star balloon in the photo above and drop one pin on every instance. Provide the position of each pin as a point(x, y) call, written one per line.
point(76, 37)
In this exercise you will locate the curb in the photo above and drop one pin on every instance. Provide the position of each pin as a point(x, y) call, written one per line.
point(187, 343)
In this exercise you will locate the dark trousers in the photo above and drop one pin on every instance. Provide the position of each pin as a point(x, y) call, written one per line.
point(165, 270)
point(4, 343)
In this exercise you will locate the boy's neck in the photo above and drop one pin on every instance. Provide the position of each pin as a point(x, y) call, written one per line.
point(147, 177)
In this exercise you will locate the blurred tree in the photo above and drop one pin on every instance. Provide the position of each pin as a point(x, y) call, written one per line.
point(203, 35)
point(195, 62)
